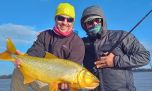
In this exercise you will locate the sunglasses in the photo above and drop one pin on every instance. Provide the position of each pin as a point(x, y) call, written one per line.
point(62, 18)
point(97, 20)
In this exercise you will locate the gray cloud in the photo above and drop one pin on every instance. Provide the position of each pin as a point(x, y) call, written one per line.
point(20, 34)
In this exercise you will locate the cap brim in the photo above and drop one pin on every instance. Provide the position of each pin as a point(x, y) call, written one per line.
point(91, 18)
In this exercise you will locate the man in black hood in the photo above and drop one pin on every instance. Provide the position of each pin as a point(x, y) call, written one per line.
point(114, 70)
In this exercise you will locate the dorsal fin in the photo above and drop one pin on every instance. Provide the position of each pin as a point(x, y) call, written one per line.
point(49, 55)
point(10, 46)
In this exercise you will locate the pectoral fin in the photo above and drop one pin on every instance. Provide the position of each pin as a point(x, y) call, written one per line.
point(53, 86)
point(28, 79)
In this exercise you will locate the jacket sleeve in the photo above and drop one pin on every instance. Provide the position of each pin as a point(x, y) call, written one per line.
point(37, 48)
point(132, 54)
point(77, 51)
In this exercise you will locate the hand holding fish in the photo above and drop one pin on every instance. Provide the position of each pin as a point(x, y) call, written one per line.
point(63, 86)
point(17, 61)
point(51, 70)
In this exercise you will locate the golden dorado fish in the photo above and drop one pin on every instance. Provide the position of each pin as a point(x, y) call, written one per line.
point(51, 70)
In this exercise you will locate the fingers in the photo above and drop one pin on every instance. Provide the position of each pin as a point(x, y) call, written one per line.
point(105, 61)
point(64, 86)
point(17, 63)
point(19, 53)
point(101, 64)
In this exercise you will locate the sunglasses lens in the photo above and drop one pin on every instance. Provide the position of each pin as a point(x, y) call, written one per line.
point(90, 22)
point(70, 19)
point(61, 18)
point(97, 20)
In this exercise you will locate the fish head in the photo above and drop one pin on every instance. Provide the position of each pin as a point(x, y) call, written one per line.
point(87, 80)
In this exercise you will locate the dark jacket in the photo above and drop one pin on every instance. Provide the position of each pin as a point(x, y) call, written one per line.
point(71, 47)
point(129, 54)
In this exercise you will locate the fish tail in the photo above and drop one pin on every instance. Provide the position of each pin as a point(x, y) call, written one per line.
point(7, 55)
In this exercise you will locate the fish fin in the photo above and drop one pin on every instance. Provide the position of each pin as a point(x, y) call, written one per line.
point(73, 89)
point(53, 86)
point(6, 56)
point(28, 79)
point(49, 55)
point(10, 50)
point(10, 46)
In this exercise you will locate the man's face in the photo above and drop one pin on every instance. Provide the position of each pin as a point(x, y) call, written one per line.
point(64, 23)
point(93, 22)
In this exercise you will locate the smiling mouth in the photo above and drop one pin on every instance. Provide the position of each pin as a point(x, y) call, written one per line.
point(63, 27)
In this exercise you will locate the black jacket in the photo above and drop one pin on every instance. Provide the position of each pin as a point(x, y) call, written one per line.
point(71, 47)
point(129, 54)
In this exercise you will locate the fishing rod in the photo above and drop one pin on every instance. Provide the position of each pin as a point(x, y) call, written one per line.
point(118, 42)
point(100, 87)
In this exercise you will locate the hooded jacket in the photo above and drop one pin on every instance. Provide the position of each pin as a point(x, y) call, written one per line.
point(128, 54)
point(70, 47)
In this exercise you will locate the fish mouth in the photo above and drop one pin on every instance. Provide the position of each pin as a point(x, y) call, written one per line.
point(87, 80)
point(93, 86)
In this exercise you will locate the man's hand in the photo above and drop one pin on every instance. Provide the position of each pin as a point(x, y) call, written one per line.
point(105, 61)
point(17, 61)
point(19, 53)
point(64, 86)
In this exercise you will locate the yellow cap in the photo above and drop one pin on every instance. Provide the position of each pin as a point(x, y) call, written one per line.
point(65, 9)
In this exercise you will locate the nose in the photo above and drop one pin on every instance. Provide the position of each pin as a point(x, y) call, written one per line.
point(65, 21)
point(94, 23)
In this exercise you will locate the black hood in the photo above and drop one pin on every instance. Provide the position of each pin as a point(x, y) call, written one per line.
point(93, 11)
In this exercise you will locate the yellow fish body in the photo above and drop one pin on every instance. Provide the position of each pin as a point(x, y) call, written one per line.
point(51, 70)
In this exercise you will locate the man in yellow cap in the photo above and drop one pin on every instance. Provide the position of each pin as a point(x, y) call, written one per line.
point(60, 41)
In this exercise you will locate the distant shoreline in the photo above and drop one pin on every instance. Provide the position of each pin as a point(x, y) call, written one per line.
point(142, 70)
point(5, 76)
